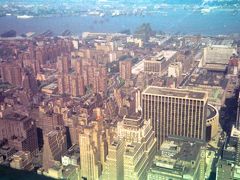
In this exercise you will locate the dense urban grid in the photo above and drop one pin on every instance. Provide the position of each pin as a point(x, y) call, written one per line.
point(120, 106)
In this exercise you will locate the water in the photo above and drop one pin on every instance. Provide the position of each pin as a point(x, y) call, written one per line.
point(171, 21)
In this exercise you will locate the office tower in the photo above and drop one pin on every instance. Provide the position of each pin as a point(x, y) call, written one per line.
point(179, 158)
point(93, 150)
point(20, 132)
point(55, 145)
point(125, 69)
point(140, 146)
point(113, 167)
point(175, 112)
point(11, 73)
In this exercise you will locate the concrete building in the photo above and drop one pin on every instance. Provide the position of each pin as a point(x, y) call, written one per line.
point(175, 69)
point(140, 146)
point(55, 145)
point(158, 64)
point(215, 83)
point(20, 132)
point(179, 158)
point(125, 69)
point(217, 56)
point(63, 64)
point(57, 171)
point(175, 112)
point(113, 167)
point(22, 161)
point(11, 73)
point(71, 157)
point(93, 150)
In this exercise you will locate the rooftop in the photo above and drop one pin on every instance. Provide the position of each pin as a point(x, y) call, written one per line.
point(184, 149)
point(173, 92)
point(133, 121)
point(15, 117)
point(177, 157)
point(202, 77)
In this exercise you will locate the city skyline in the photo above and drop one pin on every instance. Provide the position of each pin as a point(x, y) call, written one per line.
point(120, 90)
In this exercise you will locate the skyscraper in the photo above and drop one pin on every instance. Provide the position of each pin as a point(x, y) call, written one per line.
point(93, 150)
point(11, 73)
point(140, 146)
point(175, 112)
point(113, 167)
point(63, 64)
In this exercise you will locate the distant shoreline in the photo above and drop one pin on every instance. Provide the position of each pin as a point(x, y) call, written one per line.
point(172, 22)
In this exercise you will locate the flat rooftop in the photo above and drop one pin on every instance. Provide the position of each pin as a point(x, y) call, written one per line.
point(15, 117)
point(173, 92)
point(175, 156)
point(204, 77)
point(181, 149)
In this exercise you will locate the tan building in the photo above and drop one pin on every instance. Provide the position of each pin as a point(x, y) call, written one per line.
point(140, 147)
point(175, 69)
point(22, 160)
point(63, 64)
point(113, 167)
point(93, 150)
point(175, 112)
point(218, 54)
point(158, 64)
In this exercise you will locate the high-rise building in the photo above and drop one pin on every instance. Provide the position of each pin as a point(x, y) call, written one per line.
point(113, 167)
point(93, 150)
point(175, 112)
point(63, 64)
point(11, 73)
point(179, 158)
point(55, 145)
point(140, 146)
point(125, 68)
point(20, 132)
